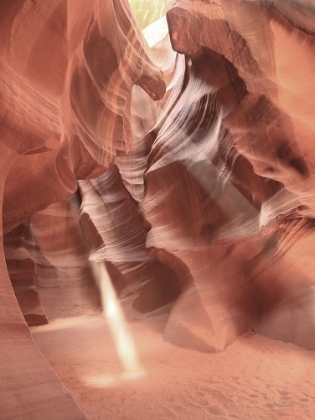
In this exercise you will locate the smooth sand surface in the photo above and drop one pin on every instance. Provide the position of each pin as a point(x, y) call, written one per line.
point(255, 378)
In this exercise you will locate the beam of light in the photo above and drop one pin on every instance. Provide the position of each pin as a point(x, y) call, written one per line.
point(114, 315)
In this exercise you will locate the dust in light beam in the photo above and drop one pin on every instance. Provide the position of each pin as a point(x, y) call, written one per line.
point(114, 315)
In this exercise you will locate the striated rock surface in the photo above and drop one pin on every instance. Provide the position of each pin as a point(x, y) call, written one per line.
point(56, 244)
point(67, 69)
point(261, 69)
point(76, 116)
point(23, 276)
point(243, 55)
point(144, 284)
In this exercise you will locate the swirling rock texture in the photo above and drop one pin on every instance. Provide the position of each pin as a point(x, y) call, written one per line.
point(143, 283)
point(65, 115)
point(207, 201)
point(110, 203)
point(257, 59)
point(47, 260)
point(23, 275)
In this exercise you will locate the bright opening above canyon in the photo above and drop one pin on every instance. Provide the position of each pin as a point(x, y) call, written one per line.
point(158, 209)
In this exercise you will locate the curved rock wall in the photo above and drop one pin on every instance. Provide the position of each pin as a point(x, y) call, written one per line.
point(251, 59)
point(61, 103)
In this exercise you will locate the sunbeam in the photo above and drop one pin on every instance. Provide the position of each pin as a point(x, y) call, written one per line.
point(113, 313)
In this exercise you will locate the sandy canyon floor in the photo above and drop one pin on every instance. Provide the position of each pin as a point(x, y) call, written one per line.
point(255, 378)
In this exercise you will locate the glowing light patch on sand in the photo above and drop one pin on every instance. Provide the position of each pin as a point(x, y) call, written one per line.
point(114, 315)
point(60, 324)
point(110, 381)
point(101, 381)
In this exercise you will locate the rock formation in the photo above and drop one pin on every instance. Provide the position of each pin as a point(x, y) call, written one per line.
point(64, 115)
point(180, 157)
point(244, 54)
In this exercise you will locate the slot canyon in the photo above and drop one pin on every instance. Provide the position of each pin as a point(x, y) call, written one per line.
point(157, 244)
